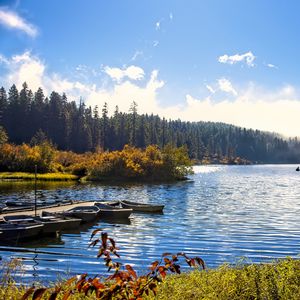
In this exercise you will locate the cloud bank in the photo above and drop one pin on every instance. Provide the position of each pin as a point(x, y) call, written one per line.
point(251, 107)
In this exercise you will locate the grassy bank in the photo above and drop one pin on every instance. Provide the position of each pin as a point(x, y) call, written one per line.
point(280, 280)
point(41, 177)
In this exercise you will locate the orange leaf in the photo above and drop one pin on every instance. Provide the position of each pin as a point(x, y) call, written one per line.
point(71, 280)
point(154, 265)
point(166, 254)
point(97, 284)
point(131, 271)
point(167, 261)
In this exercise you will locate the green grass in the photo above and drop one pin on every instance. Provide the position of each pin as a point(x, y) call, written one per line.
point(280, 280)
point(41, 177)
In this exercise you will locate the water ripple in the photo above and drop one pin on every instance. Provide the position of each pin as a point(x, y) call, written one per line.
point(223, 214)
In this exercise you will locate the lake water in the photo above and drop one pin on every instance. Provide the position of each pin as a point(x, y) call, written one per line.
point(222, 214)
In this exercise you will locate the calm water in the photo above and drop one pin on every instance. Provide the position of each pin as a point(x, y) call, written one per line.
point(223, 214)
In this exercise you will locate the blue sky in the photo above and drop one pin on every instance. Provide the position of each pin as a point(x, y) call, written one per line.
point(230, 61)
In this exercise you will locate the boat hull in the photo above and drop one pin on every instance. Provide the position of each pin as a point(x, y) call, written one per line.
point(19, 232)
point(141, 207)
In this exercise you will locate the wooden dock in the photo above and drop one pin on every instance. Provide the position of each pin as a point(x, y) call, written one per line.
point(50, 208)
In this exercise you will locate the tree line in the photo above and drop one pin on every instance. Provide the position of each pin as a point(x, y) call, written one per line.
point(29, 117)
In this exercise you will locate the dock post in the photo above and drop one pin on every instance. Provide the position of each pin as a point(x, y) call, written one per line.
point(35, 175)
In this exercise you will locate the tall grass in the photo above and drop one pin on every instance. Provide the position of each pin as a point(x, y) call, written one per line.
point(279, 280)
point(41, 177)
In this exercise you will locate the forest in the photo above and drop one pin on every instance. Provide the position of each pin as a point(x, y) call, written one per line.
point(33, 117)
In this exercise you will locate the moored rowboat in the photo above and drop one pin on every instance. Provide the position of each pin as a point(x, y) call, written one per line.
point(10, 231)
point(108, 211)
point(51, 225)
point(85, 213)
point(142, 207)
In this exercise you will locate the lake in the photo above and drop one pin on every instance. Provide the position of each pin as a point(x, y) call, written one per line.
point(222, 214)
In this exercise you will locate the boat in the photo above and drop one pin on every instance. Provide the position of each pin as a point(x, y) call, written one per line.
point(111, 211)
point(51, 224)
point(10, 231)
point(15, 203)
point(70, 222)
point(142, 207)
point(85, 213)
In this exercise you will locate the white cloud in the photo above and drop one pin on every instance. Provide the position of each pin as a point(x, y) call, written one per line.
point(210, 88)
point(155, 43)
point(136, 54)
point(29, 68)
point(249, 110)
point(12, 20)
point(226, 86)
point(252, 107)
point(132, 72)
point(125, 92)
point(248, 58)
point(271, 66)
point(157, 25)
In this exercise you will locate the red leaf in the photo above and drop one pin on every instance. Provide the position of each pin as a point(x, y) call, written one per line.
point(131, 271)
point(38, 294)
point(113, 243)
point(28, 293)
point(162, 272)
point(104, 237)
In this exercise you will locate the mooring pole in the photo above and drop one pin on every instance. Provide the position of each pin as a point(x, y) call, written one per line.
point(35, 175)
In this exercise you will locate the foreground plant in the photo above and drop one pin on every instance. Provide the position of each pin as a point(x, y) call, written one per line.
point(123, 283)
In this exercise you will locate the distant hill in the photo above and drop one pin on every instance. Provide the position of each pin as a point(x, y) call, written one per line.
point(29, 117)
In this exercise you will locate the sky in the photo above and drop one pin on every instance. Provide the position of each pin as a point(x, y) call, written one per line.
point(228, 61)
